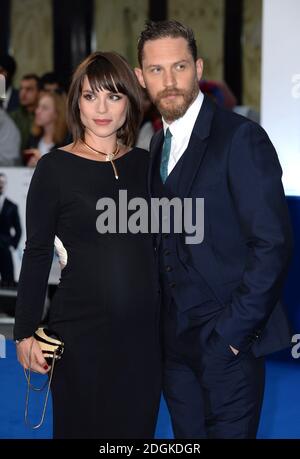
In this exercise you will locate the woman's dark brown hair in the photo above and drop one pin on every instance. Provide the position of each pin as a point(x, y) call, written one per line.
point(106, 71)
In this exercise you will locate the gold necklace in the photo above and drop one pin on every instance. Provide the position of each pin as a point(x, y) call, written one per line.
point(109, 156)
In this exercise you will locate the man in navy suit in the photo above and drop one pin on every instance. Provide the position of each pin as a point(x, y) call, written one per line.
point(221, 297)
point(9, 220)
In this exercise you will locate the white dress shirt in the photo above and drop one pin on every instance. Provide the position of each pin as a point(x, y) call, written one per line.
point(44, 147)
point(181, 131)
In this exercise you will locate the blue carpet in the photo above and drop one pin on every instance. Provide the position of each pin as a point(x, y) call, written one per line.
point(280, 414)
point(281, 408)
point(12, 400)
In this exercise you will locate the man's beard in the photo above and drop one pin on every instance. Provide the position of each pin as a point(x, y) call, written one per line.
point(175, 109)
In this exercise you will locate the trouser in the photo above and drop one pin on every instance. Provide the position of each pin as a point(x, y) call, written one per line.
point(210, 392)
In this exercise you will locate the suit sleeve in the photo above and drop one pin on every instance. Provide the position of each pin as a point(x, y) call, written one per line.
point(258, 197)
point(41, 217)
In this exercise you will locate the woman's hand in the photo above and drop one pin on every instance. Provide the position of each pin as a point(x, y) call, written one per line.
point(29, 354)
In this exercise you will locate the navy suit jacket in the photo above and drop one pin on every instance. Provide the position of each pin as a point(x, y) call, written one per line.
point(232, 164)
point(9, 218)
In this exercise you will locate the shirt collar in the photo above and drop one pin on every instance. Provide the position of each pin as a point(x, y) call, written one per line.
point(182, 128)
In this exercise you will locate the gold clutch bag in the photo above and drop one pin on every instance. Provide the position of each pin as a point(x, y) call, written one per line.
point(50, 343)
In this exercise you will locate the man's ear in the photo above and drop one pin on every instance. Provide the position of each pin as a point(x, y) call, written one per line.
point(139, 75)
point(199, 68)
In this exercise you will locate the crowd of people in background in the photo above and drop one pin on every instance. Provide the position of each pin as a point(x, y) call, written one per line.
point(33, 117)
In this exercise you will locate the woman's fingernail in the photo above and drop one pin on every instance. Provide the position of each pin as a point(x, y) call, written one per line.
point(45, 367)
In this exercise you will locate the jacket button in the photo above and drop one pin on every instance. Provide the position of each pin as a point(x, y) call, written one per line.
point(257, 334)
point(165, 236)
point(167, 252)
point(169, 268)
point(172, 284)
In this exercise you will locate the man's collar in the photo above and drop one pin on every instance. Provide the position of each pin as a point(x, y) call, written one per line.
point(187, 121)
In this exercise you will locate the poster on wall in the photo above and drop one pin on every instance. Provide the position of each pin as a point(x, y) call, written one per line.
point(280, 86)
point(14, 185)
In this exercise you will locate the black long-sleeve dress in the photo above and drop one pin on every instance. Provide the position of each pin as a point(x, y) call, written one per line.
point(106, 308)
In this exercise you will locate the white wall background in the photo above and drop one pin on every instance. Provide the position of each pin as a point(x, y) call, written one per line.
point(280, 101)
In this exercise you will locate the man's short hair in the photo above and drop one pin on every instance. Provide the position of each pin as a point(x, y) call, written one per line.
point(164, 29)
point(9, 64)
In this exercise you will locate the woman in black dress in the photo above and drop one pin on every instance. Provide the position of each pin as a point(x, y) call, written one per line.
point(106, 307)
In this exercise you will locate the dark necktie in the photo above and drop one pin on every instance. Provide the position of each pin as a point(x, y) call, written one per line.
point(165, 155)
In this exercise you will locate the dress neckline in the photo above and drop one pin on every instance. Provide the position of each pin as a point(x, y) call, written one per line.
point(93, 160)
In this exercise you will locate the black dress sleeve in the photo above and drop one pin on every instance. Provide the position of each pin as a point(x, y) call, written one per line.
point(41, 218)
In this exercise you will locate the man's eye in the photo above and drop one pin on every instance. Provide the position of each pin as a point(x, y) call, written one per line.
point(155, 70)
point(180, 67)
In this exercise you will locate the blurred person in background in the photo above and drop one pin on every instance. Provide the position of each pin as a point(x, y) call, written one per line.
point(50, 81)
point(10, 234)
point(49, 130)
point(9, 141)
point(24, 115)
point(8, 69)
point(150, 124)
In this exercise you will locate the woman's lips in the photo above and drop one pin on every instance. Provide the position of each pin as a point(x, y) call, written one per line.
point(102, 122)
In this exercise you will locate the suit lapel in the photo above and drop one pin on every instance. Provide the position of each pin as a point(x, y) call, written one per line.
point(4, 206)
point(193, 155)
point(196, 148)
point(155, 149)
